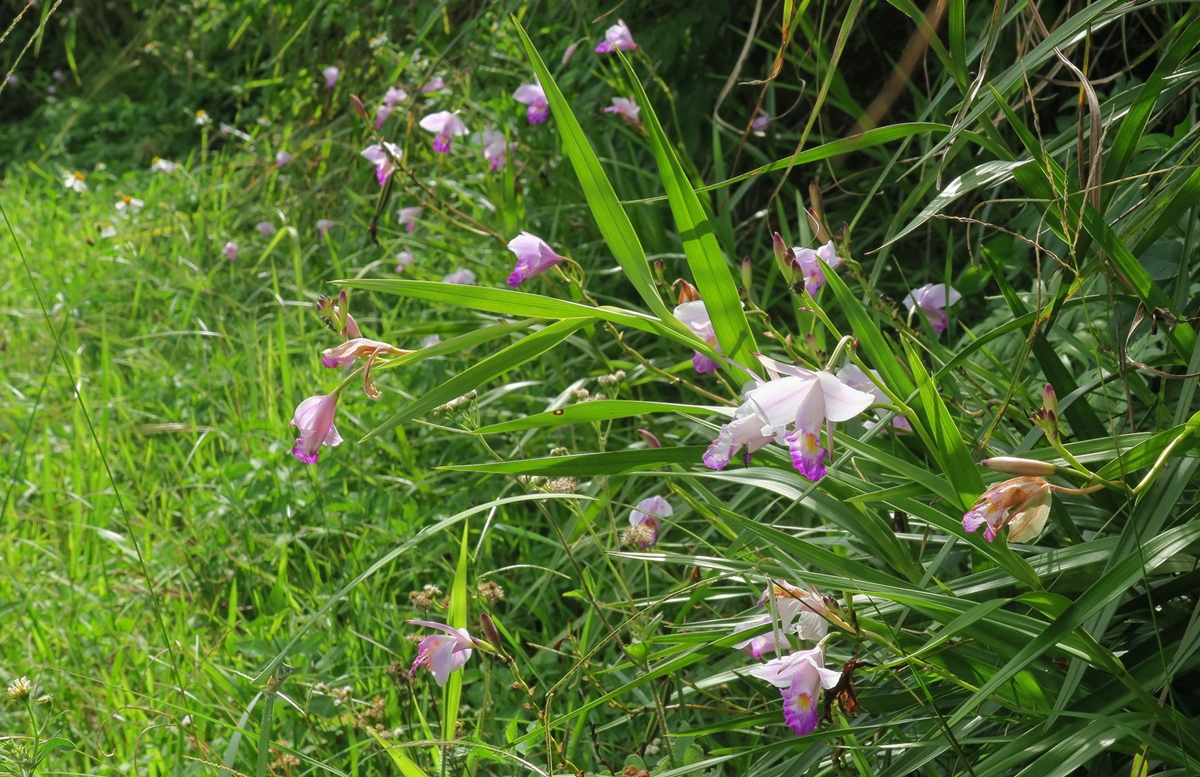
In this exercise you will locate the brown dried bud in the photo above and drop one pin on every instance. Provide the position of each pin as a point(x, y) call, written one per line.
point(687, 292)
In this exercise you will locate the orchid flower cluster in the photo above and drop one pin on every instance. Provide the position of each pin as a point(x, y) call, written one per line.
point(314, 416)
point(793, 613)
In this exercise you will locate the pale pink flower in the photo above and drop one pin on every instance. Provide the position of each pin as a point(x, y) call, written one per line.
point(314, 421)
point(649, 513)
point(695, 316)
point(800, 677)
point(445, 126)
point(462, 277)
point(534, 256)
point(282, 158)
point(436, 84)
point(13, 80)
point(230, 250)
point(806, 260)
point(265, 228)
point(495, 147)
point(58, 76)
point(933, 299)
point(403, 259)
point(797, 397)
point(533, 96)
point(162, 166)
point(393, 96)
point(442, 653)
point(408, 217)
point(1027, 497)
point(384, 157)
point(617, 38)
point(855, 378)
point(762, 121)
point(431, 341)
point(323, 226)
point(331, 74)
point(627, 109)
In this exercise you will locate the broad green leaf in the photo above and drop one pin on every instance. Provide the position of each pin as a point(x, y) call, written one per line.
point(497, 364)
point(600, 410)
point(510, 303)
point(590, 464)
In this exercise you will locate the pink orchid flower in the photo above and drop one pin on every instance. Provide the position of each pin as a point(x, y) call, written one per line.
point(436, 84)
point(384, 157)
point(403, 260)
point(534, 256)
point(495, 147)
point(356, 348)
point(855, 378)
point(627, 109)
point(617, 38)
point(445, 126)
point(230, 250)
point(933, 299)
point(533, 96)
point(806, 260)
point(1027, 497)
point(462, 277)
point(695, 316)
point(331, 74)
point(800, 677)
point(442, 653)
point(796, 397)
point(762, 122)
point(314, 420)
point(408, 218)
point(393, 96)
point(265, 228)
point(323, 226)
point(282, 158)
point(649, 513)
point(800, 611)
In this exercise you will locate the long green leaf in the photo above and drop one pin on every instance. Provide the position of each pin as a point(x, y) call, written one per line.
point(704, 256)
point(610, 217)
point(599, 410)
point(510, 358)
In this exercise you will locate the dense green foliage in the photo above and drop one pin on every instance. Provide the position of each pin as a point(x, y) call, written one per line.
point(198, 601)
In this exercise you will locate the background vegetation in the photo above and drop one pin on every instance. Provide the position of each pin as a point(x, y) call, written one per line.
point(164, 556)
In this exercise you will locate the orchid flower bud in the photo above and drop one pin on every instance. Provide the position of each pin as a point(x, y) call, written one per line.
point(784, 256)
point(1012, 465)
point(359, 108)
point(816, 212)
point(747, 273)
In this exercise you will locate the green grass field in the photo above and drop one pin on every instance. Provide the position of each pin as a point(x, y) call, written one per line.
point(186, 597)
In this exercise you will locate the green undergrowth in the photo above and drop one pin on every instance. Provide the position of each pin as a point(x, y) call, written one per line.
point(198, 601)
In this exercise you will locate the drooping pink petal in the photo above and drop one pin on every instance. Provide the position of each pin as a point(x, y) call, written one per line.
point(313, 419)
point(534, 256)
point(800, 705)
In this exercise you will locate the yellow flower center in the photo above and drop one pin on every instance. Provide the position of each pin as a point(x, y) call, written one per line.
point(79, 176)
